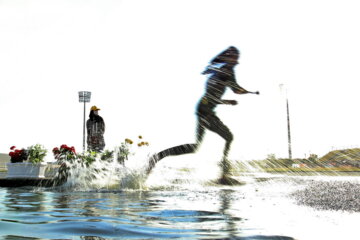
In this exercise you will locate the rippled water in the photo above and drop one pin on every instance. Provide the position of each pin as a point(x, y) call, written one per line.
point(256, 210)
point(174, 202)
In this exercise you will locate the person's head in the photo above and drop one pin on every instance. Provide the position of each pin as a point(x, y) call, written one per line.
point(229, 56)
point(95, 110)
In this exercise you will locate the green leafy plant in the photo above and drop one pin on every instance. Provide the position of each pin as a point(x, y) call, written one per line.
point(107, 155)
point(123, 151)
point(87, 158)
point(36, 153)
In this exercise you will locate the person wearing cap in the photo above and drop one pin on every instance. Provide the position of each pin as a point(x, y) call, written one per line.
point(95, 126)
point(221, 76)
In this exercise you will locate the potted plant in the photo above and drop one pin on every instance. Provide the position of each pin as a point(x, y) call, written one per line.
point(27, 163)
point(36, 153)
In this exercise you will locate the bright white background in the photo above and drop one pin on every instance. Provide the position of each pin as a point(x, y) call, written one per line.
point(142, 62)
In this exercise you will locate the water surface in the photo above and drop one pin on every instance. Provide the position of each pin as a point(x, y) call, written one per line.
point(256, 210)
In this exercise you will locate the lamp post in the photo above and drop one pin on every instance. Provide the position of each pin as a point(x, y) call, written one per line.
point(84, 97)
point(288, 122)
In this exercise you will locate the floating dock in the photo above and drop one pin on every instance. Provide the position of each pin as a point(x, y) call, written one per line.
point(22, 182)
point(48, 181)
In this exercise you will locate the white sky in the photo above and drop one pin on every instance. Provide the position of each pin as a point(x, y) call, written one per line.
point(142, 62)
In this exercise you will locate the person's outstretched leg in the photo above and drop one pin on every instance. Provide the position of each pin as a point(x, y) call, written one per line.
point(178, 150)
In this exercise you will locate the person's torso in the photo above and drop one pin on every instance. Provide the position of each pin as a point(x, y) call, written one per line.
point(95, 127)
point(215, 88)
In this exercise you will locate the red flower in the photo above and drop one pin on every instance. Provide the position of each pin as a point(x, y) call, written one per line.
point(17, 155)
point(64, 151)
point(73, 150)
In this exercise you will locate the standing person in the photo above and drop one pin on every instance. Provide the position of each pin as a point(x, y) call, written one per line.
point(95, 126)
point(221, 75)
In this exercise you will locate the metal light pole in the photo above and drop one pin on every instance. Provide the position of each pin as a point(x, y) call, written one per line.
point(288, 128)
point(84, 97)
point(288, 123)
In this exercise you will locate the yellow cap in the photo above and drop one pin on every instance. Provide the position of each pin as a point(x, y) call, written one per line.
point(94, 108)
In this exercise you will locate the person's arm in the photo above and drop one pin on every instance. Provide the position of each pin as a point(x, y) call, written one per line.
point(229, 102)
point(239, 90)
point(235, 87)
point(215, 100)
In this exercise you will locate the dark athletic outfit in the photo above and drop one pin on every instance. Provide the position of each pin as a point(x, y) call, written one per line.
point(219, 79)
point(215, 88)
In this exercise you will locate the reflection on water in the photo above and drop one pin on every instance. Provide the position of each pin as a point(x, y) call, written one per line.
point(225, 197)
point(257, 210)
point(20, 200)
point(40, 213)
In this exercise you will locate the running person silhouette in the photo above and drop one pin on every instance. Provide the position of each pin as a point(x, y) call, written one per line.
point(221, 75)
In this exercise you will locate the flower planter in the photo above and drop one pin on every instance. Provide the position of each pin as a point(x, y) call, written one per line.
point(26, 170)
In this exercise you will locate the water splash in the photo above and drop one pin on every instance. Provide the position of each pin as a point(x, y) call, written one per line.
point(191, 172)
point(108, 174)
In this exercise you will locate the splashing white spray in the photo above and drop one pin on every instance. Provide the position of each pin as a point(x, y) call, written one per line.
point(108, 174)
point(191, 171)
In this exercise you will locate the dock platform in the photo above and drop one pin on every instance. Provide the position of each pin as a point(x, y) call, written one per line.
point(22, 182)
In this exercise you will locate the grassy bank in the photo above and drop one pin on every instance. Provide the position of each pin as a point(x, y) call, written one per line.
point(315, 169)
point(308, 171)
point(313, 165)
